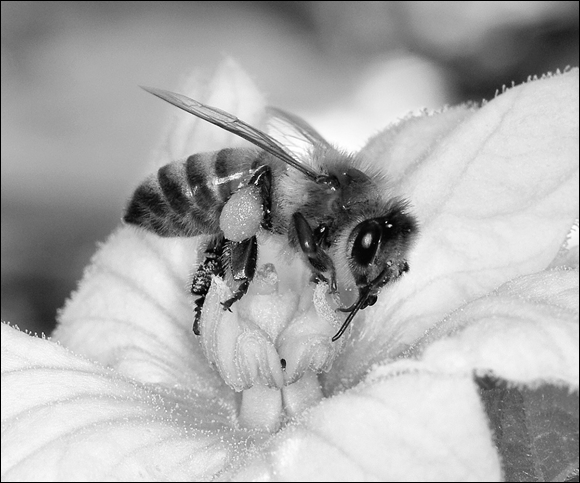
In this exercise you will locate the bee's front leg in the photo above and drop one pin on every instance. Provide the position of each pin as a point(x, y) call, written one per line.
point(318, 258)
point(243, 261)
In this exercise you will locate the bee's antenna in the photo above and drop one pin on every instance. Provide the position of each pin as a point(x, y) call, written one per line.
point(236, 126)
point(370, 290)
point(353, 310)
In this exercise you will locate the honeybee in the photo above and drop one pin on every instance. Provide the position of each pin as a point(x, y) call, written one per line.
point(327, 204)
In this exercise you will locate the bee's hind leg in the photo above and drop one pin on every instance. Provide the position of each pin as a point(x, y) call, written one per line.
point(244, 254)
point(262, 178)
point(212, 265)
point(243, 261)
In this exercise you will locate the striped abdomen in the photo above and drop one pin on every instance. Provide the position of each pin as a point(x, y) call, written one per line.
point(186, 198)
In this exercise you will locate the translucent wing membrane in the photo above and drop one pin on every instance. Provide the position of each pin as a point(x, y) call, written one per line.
point(234, 125)
point(295, 134)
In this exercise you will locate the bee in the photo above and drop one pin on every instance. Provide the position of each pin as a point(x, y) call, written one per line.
point(329, 207)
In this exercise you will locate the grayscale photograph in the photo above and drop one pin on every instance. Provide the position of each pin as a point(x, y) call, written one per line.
point(290, 241)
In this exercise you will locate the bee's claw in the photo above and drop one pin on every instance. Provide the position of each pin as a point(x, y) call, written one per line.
point(226, 306)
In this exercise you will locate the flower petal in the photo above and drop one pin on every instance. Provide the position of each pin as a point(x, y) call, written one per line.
point(405, 428)
point(423, 419)
point(495, 196)
point(64, 418)
point(525, 332)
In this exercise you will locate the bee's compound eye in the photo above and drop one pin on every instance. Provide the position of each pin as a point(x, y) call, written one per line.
point(366, 242)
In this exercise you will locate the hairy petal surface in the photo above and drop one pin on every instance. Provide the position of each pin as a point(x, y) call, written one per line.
point(67, 419)
point(495, 191)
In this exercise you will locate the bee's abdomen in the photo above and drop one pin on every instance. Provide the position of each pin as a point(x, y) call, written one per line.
point(186, 198)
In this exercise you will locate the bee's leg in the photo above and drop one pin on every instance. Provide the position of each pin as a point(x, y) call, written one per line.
point(212, 265)
point(243, 261)
point(244, 254)
point(262, 178)
point(318, 258)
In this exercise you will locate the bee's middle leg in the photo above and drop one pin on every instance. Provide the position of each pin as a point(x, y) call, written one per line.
point(243, 261)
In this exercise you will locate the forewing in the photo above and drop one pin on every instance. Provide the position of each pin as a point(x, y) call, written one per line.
point(234, 125)
point(295, 134)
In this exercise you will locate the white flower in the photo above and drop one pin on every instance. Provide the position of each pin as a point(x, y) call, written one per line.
point(131, 395)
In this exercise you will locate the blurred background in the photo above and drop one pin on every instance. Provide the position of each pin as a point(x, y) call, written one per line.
point(77, 131)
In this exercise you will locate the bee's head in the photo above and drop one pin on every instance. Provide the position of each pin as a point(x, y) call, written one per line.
point(376, 252)
point(377, 248)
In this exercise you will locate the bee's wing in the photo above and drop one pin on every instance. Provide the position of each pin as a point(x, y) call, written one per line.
point(295, 134)
point(236, 126)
